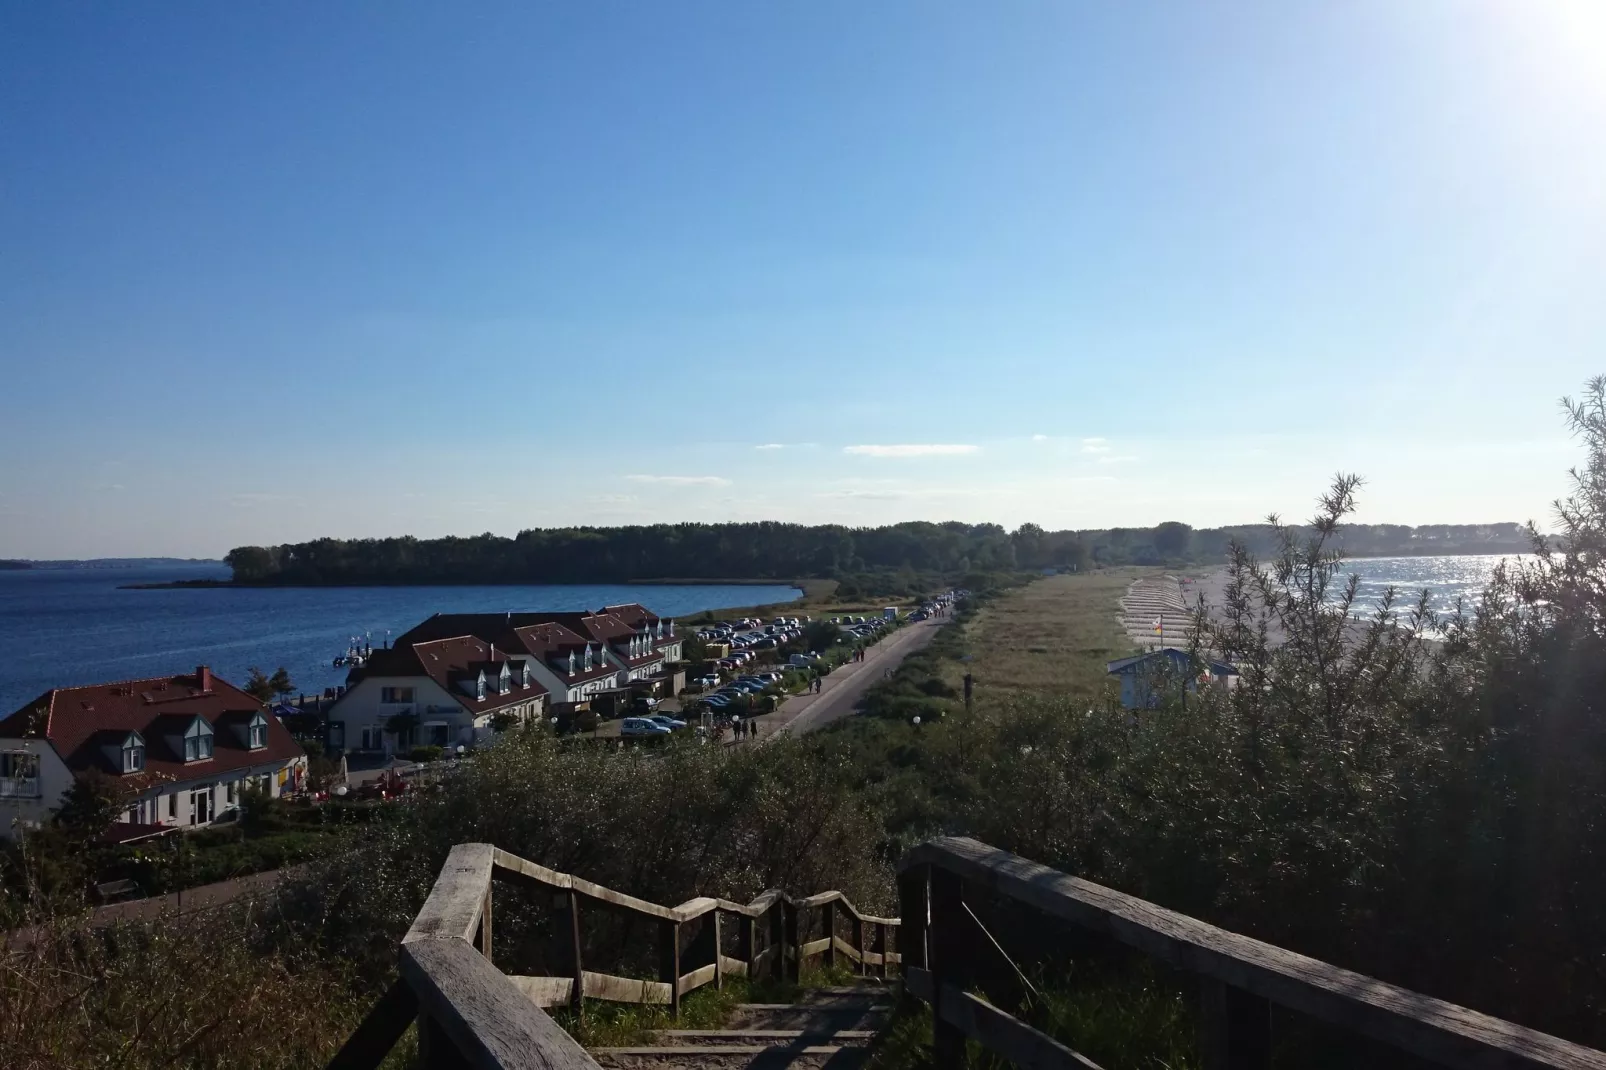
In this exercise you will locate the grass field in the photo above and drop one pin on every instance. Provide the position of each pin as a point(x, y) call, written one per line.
point(1052, 636)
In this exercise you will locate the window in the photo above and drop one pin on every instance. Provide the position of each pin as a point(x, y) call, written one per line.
point(258, 732)
point(172, 805)
point(198, 741)
point(19, 774)
point(524, 679)
point(479, 688)
point(395, 694)
point(231, 792)
point(133, 753)
point(571, 663)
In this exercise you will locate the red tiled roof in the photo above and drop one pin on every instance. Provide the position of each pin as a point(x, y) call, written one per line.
point(632, 613)
point(540, 635)
point(78, 721)
point(447, 661)
point(638, 617)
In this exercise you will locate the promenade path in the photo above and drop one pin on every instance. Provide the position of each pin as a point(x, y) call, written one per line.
point(841, 691)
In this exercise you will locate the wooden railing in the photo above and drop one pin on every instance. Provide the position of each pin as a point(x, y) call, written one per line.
point(470, 1013)
point(946, 887)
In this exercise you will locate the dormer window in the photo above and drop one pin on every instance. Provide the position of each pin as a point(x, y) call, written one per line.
point(198, 741)
point(504, 682)
point(257, 732)
point(571, 663)
point(479, 686)
point(588, 657)
point(134, 753)
point(524, 678)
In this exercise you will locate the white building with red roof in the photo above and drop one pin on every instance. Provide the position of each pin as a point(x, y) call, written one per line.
point(445, 692)
point(182, 748)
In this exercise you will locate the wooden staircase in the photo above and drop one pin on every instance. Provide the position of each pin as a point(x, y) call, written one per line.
point(827, 1027)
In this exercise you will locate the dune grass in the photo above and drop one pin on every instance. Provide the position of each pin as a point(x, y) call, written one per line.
point(1050, 637)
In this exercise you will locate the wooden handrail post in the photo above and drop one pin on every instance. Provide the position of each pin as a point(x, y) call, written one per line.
point(435, 1049)
point(882, 946)
point(828, 923)
point(857, 927)
point(747, 945)
point(1234, 1027)
point(577, 996)
point(485, 924)
point(777, 919)
point(796, 928)
point(912, 917)
point(950, 962)
point(669, 961)
point(704, 947)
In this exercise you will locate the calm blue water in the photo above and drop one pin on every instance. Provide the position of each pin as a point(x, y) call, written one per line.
point(73, 626)
point(1445, 578)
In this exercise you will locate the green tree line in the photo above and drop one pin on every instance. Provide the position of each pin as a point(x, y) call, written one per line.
point(776, 551)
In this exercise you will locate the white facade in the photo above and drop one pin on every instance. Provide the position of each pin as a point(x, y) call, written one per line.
point(33, 778)
point(368, 705)
point(28, 801)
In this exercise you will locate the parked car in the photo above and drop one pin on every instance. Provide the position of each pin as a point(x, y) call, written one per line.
point(665, 720)
point(707, 681)
point(770, 677)
point(641, 726)
point(644, 704)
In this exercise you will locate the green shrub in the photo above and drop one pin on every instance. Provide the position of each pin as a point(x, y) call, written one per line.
point(428, 753)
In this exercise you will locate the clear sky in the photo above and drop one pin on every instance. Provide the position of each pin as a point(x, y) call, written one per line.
point(278, 270)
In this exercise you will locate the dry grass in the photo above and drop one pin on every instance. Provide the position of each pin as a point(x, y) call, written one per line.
point(1052, 636)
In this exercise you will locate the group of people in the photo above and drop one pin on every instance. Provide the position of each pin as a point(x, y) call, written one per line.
point(747, 729)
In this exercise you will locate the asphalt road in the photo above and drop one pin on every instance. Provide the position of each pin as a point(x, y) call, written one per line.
point(841, 691)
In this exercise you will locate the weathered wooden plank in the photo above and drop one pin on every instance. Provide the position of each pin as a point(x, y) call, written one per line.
point(516, 867)
point(696, 979)
point(625, 989)
point(1432, 1028)
point(546, 991)
point(692, 909)
point(733, 967)
point(487, 1018)
point(818, 899)
point(681, 1051)
point(386, 1022)
point(577, 990)
point(952, 961)
point(669, 962)
point(1007, 1036)
point(485, 923)
point(457, 899)
point(843, 947)
point(814, 947)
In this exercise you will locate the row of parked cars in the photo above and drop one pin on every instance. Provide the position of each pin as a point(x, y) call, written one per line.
point(753, 684)
point(658, 724)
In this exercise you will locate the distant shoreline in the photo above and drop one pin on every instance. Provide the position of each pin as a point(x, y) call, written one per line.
point(801, 586)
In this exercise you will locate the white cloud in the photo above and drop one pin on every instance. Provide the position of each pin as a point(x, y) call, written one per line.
point(771, 446)
point(1039, 438)
point(1116, 458)
point(1096, 445)
point(682, 481)
point(912, 450)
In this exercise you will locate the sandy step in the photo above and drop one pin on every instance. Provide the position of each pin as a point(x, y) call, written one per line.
point(819, 1017)
point(763, 1037)
point(748, 1057)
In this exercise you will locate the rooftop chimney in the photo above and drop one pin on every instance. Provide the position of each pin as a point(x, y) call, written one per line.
point(204, 675)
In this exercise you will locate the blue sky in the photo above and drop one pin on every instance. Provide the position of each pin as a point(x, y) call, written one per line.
point(281, 270)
